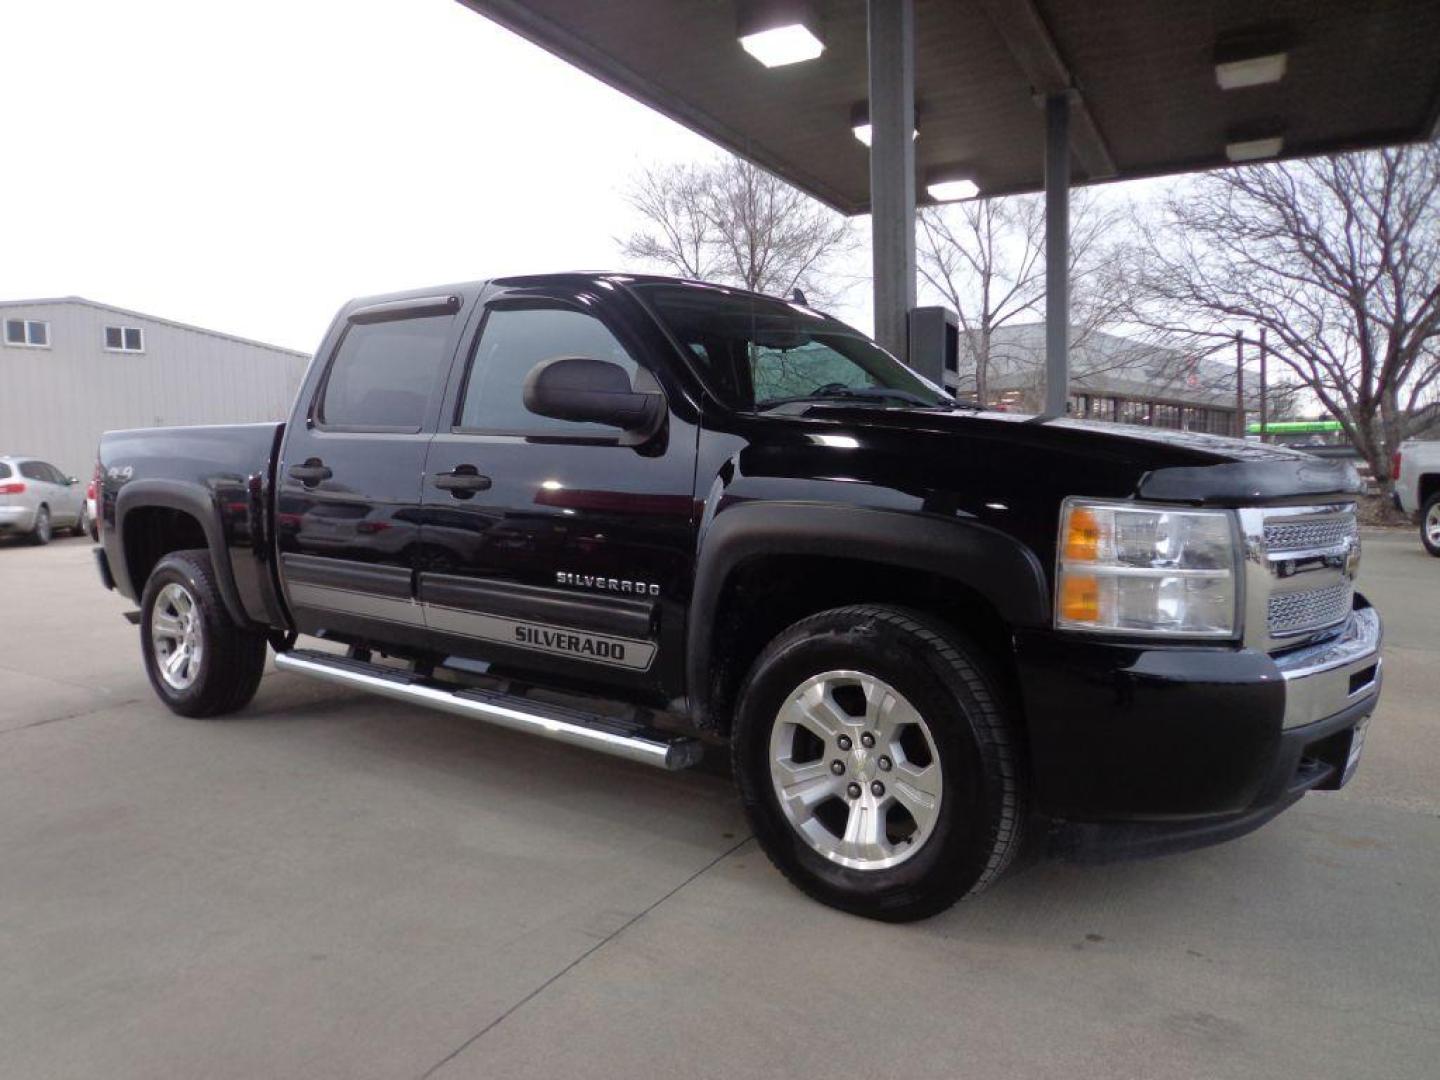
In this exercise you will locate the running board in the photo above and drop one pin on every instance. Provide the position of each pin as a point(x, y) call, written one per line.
point(620, 738)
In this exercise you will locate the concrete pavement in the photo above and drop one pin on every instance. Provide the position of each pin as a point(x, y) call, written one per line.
point(332, 886)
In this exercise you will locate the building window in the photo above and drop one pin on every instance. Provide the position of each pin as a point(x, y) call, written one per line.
point(1167, 416)
point(124, 339)
point(1134, 412)
point(29, 332)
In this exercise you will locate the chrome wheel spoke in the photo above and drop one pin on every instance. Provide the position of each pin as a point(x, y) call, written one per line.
point(817, 712)
point(808, 785)
point(865, 832)
point(165, 625)
point(887, 712)
point(918, 791)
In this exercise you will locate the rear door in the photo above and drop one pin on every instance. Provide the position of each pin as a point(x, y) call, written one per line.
point(67, 497)
point(41, 489)
point(349, 478)
point(550, 546)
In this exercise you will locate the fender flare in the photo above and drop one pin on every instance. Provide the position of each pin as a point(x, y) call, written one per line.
point(189, 499)
point(992, 563)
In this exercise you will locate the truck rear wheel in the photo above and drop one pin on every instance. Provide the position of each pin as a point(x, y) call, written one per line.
point(876, 763)
point(199, 661)
point(1430, 525)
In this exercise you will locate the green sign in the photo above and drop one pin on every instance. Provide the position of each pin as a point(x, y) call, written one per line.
point(1295, 427)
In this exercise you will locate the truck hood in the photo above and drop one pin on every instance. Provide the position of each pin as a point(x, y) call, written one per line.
point(1171, 466)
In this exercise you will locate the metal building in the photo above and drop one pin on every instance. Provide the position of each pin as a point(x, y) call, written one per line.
point(71, 369)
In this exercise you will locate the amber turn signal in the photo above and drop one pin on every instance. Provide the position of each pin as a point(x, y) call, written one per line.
point(1082, 535)
point(1080, 598)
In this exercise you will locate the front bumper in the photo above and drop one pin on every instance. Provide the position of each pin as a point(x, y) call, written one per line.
point(1138, 750)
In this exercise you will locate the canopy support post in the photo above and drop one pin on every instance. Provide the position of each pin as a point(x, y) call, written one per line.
point(1057, 254)
point(892, 168)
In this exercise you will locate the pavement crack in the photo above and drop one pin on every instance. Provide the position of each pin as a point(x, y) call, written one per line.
point(533, 994)
point(78, 714)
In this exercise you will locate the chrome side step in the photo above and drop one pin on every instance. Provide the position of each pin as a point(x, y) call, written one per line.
point(620, 738)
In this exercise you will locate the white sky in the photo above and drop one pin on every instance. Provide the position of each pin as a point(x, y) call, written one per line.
point(248, 167)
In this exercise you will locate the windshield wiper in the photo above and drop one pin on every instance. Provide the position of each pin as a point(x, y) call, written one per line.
point(877, 395)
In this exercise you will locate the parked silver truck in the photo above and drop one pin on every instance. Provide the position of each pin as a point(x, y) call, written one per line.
point(1417, 488)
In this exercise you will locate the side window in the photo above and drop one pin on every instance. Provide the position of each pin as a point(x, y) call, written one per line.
point(34, 470)
point(513, 341)
point(385, 374)
point(54, 475)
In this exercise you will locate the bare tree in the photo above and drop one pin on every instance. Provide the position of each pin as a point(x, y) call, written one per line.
point(733, 222)
point(986, 260)
point(1337, 257)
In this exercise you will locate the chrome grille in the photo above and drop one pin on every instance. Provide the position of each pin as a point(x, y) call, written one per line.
point(1323, 534)
point(1299, 562)
point(1297, 612)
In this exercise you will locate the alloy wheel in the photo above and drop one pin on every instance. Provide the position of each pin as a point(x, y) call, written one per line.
point(855, 770)
point(177, 636)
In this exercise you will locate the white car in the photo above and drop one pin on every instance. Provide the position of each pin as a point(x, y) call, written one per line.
point(1417, 488)
point(36, 498)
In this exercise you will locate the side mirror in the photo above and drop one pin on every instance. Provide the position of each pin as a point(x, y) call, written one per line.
point(592, 391)
point(72, 480)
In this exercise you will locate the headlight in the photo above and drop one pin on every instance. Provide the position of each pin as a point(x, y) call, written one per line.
point(1128, 569)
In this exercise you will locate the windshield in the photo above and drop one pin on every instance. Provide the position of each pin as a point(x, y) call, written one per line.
point(762, 353)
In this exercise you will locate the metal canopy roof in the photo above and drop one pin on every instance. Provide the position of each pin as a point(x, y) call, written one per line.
point(1361, 73)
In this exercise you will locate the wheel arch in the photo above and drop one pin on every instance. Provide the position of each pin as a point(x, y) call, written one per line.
point(1427, 485)
point(154, 518)
point(763, 566)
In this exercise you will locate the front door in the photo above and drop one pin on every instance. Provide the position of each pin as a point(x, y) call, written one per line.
point(348, 510)
point(549, 546)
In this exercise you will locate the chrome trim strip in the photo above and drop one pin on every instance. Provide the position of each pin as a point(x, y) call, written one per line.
point(633, 654)
point(350, 602)
point(542, 637)
point(1317, 677)
point(677, 753)
point(1360, 641)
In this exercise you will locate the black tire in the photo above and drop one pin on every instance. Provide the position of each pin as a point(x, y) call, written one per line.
point(82, 523)
point(42, 533)
point(232, 659)
point(1430, 513)
point(979, 825)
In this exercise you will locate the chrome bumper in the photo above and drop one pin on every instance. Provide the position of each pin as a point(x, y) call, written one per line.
point(1323, 679)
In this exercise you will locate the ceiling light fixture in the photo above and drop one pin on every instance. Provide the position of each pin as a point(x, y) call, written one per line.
point(1254, 55)
point(1251, 71)
point(780, 32)
point(1254, 149)
point(951, 184)
point(860, 123)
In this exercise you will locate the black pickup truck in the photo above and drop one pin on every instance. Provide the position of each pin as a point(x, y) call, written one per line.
point(650, 516)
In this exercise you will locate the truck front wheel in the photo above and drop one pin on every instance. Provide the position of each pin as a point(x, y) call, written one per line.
point(876, 763)
point(199, 661)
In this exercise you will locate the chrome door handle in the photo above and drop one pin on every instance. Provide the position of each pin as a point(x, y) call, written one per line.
point(462, 481)
point(311, 473)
